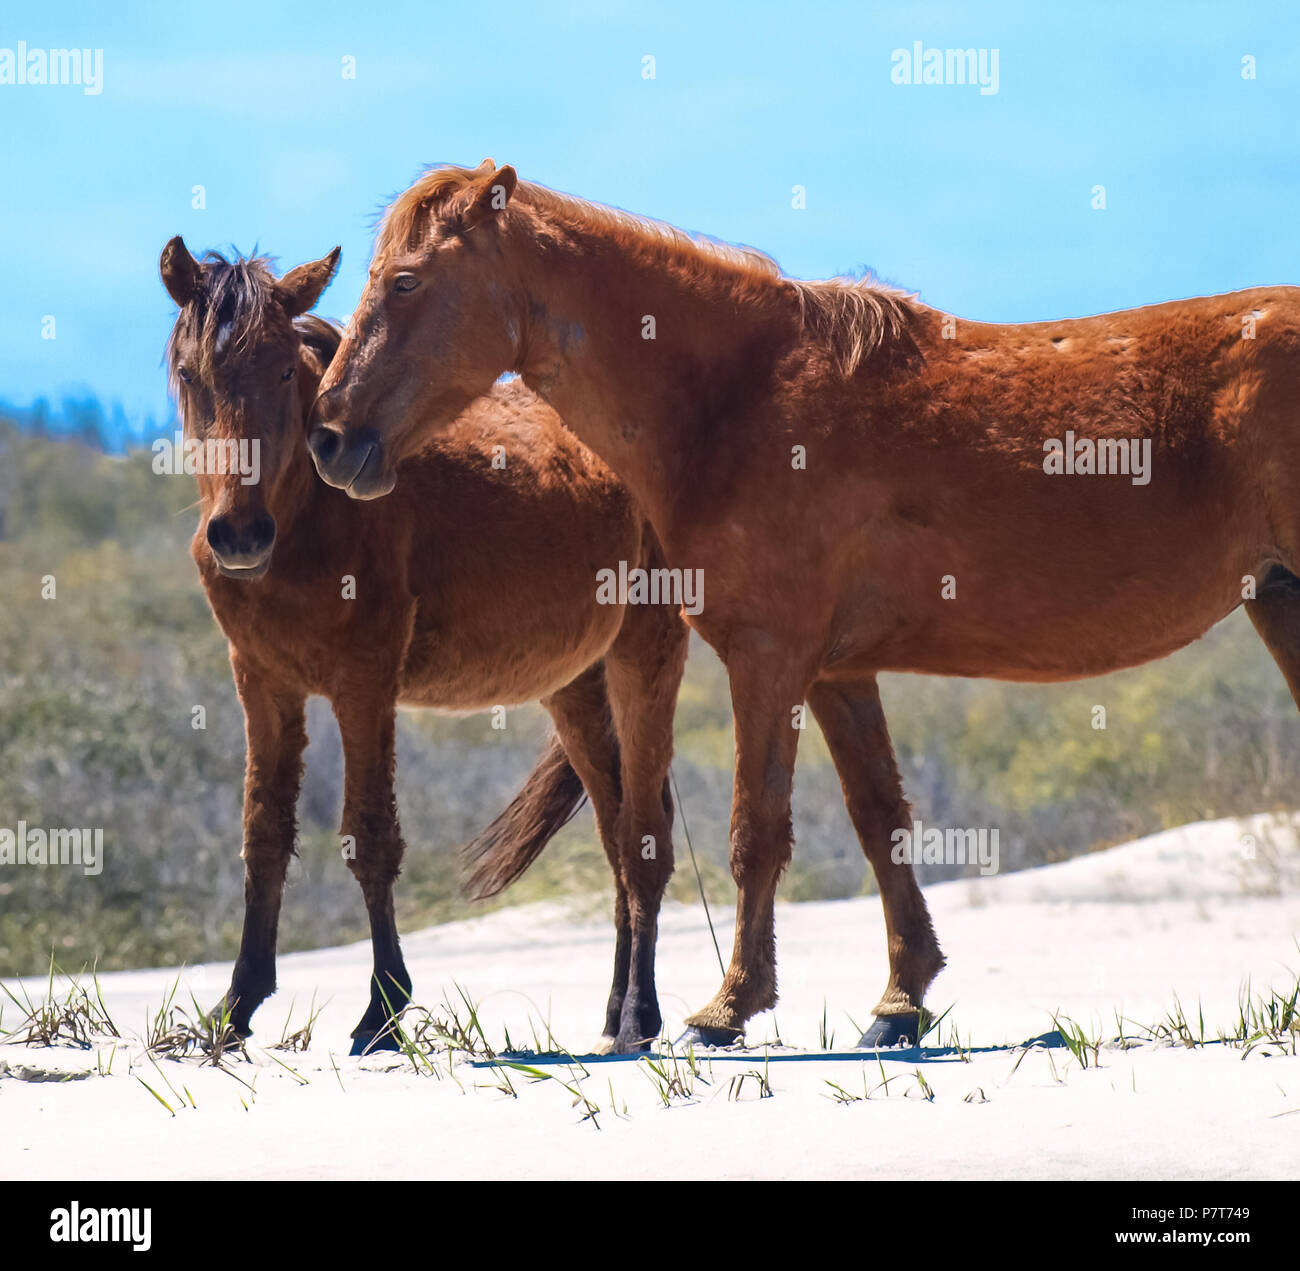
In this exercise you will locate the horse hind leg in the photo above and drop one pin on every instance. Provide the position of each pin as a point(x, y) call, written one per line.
point(585, 728)
point(643, 671)
point(853, 723)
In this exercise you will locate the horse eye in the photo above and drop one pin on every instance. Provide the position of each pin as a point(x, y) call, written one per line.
point(405, 283)
point(185, 374)
point(288, 375)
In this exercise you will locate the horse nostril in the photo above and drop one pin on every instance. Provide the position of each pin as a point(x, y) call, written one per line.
point(261, 535)
point(325, 444)
point(219, 536)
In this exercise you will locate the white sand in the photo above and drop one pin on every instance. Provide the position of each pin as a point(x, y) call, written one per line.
point(1186, 913)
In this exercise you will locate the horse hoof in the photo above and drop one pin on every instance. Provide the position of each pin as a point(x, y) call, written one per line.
point(698, 1036)
point(632, 1045)
point(889, 1031)
point(369, 1042)
point(237, 1030)
point(607, 1045)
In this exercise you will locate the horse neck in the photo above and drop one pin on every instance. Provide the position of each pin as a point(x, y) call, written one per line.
point(635, 401)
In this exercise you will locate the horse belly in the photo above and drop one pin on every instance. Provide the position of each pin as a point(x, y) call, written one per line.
point(1064, 595)
point(1073, 646)
point(528, 653)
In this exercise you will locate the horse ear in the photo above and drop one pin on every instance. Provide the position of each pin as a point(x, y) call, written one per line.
point(300, 288)
point(489, 194)
point(180, 271)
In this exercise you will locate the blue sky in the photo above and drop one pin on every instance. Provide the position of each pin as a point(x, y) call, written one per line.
point(981, 202)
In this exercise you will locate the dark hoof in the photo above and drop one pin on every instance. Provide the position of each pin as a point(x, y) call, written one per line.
point(369, 1042)
point(237, 1029)
point(629, 1045)
point(889, 1031)
point(697, 1036)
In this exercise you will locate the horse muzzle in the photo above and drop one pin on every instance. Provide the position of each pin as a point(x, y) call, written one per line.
point(242, 551)
point(351, 461)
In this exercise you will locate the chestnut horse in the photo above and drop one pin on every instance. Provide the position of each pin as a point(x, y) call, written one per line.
point(868, 484)
point(476, 587)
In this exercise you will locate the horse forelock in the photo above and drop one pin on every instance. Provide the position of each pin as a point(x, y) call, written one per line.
point(406, 221)
point(231, 304)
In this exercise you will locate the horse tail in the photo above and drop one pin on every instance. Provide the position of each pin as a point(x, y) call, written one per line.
point(549, 799)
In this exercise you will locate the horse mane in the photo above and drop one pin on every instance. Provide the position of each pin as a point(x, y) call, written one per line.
point(232, 301)
point(855, 318)
point(858, 318)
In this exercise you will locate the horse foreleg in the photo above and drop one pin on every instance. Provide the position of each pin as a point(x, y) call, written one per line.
point(767, 696)
point(276, 737)
point(853, 724)
point(373, 848)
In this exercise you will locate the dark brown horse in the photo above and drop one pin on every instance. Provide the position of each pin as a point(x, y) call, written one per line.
point(475, 587)
point(868, 484)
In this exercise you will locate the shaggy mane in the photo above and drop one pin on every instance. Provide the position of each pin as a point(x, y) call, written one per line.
point(855, 318)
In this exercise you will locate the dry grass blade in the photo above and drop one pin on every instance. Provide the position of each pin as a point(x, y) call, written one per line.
point(299, 1039)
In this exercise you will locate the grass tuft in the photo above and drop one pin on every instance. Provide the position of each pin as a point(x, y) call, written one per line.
point(74, 1019)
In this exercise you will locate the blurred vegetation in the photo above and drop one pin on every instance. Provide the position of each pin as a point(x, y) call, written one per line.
point(97, 688)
